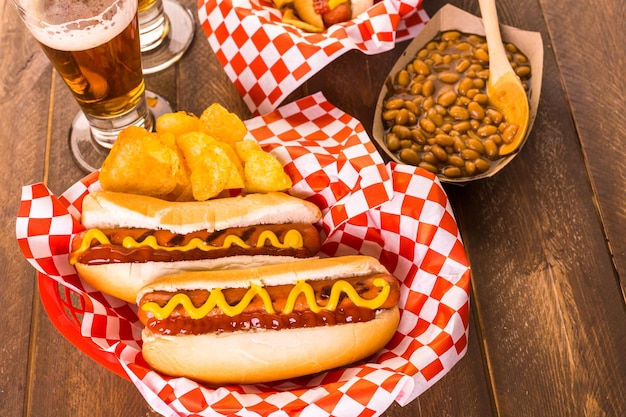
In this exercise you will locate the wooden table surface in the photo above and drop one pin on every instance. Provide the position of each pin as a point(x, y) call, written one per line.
point(545, 237)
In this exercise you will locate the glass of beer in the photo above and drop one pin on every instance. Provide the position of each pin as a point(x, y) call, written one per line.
point(94, 46)
point(166, 30)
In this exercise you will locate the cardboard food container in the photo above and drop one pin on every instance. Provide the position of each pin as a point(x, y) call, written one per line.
point(266, 59)
point(396, 213)
point(452, 18)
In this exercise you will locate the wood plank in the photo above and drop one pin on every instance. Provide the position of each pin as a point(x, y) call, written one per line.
point(588, 44)
point(24, 82)
point(546, 293)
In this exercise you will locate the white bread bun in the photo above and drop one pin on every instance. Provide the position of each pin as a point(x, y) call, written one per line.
point(268, 275)
point(106, 209)
point(124, 280)
point(263, 356)
point(255, 356)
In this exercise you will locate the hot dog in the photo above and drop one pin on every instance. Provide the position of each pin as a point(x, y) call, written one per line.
point(268, 323)
point(325, 13)
point(130, 240)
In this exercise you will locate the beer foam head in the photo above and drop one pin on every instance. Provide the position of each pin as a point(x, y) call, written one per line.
point(76, 26)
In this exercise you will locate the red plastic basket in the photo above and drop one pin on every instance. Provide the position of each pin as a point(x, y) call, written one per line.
point(65, 308)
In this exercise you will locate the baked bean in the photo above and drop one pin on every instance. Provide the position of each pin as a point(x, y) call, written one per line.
point(439, 152)
point(522, 71)
point(402, 132)
point(495, 116)
point(464, 85)
point(390, 114)
point(429, 167)
point(475, 110)
point(402, 117)
point(481, 55)
point(418, 136)
point(429, 157)
point(461, 126)
point(448, 77)
point(393, 142)
point(508, 134)
point(447, 99)
point(436, 118)
point(428, 88)
point(487, 130)
point(484, 74)
point(405, 143)
point(451, 35)
point(463, 101)
point(411, 106)
point(438, 114)
point(427, 125)
point(510, 47)
point(416, 89)
point(452, 172)
point(479, 83)
point(481, 98)
point(444, 140)
point(456, 160)
point(476, 145)
point(420, 67)
point(462, 65)
point(497, 139)
point(469, 154)
point(459, 113)
point(404, 78)
point(470, 167)
point(459, 145)
point(410, 156)
point(491, 149)
point(482, 165)
point(396, 103)
point(428, 103)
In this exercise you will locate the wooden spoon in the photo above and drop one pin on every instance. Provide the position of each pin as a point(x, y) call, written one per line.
point(504, 88)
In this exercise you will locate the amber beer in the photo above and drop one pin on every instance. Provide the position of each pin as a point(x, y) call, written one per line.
point(95, 49)
point(145, 4)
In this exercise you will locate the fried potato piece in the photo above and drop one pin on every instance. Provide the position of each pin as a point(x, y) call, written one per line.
point(236, 179)
point(137, 153)
point(245, 147)
point(223, 125)
point(177, 123)
point(264, 173)
point(213, 165)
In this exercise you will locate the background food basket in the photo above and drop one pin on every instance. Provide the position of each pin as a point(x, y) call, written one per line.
point(267, 59)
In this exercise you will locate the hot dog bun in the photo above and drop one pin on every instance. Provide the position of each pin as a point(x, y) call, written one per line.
point(264, 355)
point(106, 209)
point(111, 210)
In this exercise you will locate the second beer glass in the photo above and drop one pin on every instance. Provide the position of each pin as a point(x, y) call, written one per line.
point(166, 28)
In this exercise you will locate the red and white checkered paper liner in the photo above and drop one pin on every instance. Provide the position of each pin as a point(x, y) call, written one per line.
point(266, 59)
point(396, 213)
